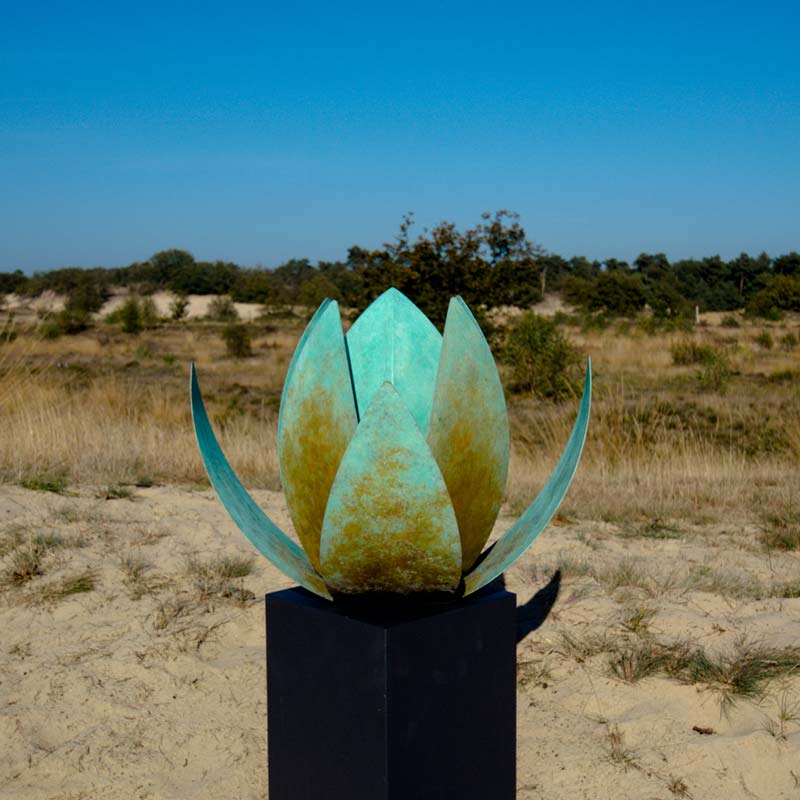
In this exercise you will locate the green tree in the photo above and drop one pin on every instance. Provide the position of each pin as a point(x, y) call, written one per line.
point(130, 315)
point(317, 289)
point(541, 357)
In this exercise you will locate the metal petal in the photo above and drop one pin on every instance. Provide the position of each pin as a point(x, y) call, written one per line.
point(468, 431)
point(520, 537)
point(390, 525)
point(267, 537)
point(317, 420)
point(394, 341)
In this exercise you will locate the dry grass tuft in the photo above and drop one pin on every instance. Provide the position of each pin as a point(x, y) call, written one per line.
point(217, 577)
point(78, 583)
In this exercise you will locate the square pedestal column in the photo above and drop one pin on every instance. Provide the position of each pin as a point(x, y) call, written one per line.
point(399, 702)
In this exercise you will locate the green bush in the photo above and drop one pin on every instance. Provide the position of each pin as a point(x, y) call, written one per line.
point(716, 371)
point(222, 309)
point(541, 357)
point(66, 322)
point(237, 340)
point(179, 307)
point(780, 293)
point(789, 342)
point(149, 312)
point(729, 321)
point(764, 339)
point(135, 314)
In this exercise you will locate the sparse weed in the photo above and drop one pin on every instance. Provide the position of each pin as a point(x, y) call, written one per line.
point(658, 528)
point(787, 716)
point(170, 610)
point(625, 573)
point(677, 786)
point(729, 583)
point(587, 646)
point(618, 752)
point(638, 620)
point(533, 673)
point(135, 567)
point(115, 493)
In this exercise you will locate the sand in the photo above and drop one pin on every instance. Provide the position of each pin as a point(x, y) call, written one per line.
point(154, 687)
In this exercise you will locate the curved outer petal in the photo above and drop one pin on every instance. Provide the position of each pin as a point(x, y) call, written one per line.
point(268, 539)
point(522, 535)
point(317, 420)
point(394, 341)
point(389, 524)
point(468, 431)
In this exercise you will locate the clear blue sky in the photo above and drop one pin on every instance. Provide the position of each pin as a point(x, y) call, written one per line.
point(259, 132)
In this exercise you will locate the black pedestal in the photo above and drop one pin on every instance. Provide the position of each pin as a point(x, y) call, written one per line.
point(399, 702)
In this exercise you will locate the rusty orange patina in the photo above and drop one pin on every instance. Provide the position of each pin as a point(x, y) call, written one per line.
point(310, 458)
point(468, 431)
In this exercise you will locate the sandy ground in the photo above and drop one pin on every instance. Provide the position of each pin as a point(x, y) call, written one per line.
point(197, 309)
point(152, 684)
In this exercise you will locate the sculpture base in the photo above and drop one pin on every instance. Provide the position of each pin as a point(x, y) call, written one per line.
point(396, 701)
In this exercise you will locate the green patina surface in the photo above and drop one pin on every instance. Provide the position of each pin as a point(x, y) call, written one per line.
point(264, 534)
point(394, 341)
point(389, 525)
point(404, 499)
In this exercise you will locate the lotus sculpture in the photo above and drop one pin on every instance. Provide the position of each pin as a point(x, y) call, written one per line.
point(393, 446)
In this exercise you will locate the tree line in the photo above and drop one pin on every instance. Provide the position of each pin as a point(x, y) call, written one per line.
point(491, 264)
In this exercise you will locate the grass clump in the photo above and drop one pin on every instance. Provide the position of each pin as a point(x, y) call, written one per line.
point(56, 485)
point(74, 584)
point(115, 493)
point(25, 564)
point(742, 673)
point(26, 561)
point(216, 577)
point(638, 661)
point(782, 530)
point(688, 352)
